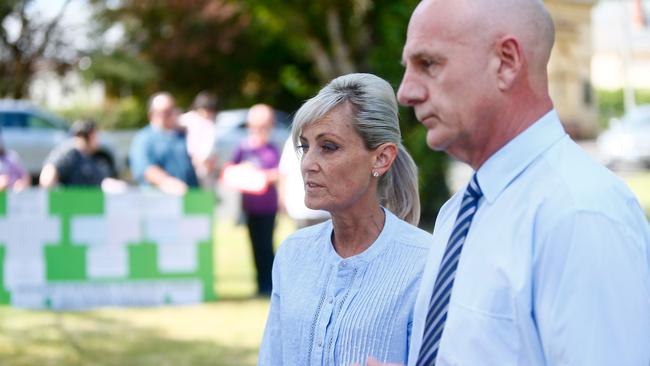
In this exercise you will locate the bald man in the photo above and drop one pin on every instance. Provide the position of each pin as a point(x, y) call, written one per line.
point(543, 259)
point(158, 155)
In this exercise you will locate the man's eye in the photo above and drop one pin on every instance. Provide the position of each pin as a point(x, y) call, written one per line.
point(426, 63)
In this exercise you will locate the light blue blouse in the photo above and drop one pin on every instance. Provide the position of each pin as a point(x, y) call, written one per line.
point(326, 310)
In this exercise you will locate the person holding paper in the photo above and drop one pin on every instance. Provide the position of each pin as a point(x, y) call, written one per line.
point(256, 164)
point(344, 289)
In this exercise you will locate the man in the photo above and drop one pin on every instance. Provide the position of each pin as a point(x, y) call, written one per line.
point(548, 260)
point(158, 154)
point(72, 163)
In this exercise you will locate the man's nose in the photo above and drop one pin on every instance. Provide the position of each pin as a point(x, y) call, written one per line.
point(410, 92)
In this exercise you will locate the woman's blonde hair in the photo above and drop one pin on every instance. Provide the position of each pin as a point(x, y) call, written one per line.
point(375, 118)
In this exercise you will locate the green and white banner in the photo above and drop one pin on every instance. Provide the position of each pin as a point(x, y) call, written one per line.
point(81, 248)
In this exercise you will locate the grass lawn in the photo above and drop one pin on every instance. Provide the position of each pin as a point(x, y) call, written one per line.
point(226, 332)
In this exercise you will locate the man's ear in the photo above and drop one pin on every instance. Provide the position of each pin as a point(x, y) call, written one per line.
point(385, 154)
point(511, 57)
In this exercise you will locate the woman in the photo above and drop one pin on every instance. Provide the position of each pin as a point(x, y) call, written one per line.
point(344, 289)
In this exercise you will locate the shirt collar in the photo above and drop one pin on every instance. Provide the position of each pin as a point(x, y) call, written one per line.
point(509, 161)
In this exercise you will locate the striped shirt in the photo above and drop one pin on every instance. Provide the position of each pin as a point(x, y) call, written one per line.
point(326, 310)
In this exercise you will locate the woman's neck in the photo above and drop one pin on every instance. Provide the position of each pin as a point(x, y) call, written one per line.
point(354, 233)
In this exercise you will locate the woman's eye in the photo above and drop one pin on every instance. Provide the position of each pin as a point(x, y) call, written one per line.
point(328, 147)
point(301, 150)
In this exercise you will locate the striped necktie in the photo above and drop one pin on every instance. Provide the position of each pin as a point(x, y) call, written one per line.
point(439, 303)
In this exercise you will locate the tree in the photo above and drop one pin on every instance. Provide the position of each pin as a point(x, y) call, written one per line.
point(27, 42)
point(276, 51)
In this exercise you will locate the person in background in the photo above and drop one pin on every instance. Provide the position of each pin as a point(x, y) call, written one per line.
point(199, 123)
point(13, 175)
point(260, 208)
point(544, 257)
point(158, 155)
point(344, 289)
point(72, 163)
point(291, 190)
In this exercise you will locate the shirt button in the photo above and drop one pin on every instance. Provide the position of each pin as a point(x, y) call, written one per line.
point(344, 264)
point(320, 344)
point(331, 300)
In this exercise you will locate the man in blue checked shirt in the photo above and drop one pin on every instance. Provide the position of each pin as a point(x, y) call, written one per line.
point(544, 258)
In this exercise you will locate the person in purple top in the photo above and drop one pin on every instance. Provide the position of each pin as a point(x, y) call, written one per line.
point(261, 207)
point(12, 173)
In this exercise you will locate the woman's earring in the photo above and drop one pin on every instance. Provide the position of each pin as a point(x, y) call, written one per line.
point(375, 173)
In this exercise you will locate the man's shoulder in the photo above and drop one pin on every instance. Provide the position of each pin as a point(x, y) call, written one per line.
point(65, 152)
point(568, 180)
point(143, 134)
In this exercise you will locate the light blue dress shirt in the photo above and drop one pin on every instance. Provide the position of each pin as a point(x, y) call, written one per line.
point(555, 268)
point(326, 310)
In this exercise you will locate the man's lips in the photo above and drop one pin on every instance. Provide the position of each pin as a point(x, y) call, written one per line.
point(428, 120)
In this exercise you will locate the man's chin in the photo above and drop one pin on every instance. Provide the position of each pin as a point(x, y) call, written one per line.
point(436, 144)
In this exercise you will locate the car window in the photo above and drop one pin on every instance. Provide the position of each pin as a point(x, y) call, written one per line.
point(13, 119)
point(39, 122)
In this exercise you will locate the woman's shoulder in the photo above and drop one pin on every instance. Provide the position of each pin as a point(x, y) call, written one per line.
point(311, 239)
point(410, 235)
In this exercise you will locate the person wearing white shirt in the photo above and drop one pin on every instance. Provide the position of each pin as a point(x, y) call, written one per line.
point(553, 268)
point(291, 190)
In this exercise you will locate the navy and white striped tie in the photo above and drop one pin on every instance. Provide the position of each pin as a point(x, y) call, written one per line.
point(439, 303)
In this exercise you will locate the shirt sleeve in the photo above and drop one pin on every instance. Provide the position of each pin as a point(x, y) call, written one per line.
point(276, 157)
point(63, 159)
point(238, 155)
point(271, 347)
point(139, 157)
point(591, 295)
point(18, 166)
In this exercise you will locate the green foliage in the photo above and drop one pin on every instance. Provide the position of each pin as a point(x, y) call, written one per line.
point(275, 51)
point(121, 72)
point(432, 167)
point(611, 103)
point(128, 112)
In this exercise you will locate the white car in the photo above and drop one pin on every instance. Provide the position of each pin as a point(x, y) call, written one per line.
point(33, 133)
point(627, 140)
